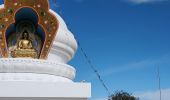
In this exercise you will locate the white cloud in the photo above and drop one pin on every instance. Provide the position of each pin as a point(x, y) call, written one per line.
point(132, 1)
point(165, 59)
point(144, 1)
point(147, 63)
point(100, 99)
point(154, 95)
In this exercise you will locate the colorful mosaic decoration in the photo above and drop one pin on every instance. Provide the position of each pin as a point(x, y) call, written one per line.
point(46, 20)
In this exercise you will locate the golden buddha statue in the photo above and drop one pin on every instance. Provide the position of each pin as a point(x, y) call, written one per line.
point(24, 47)
point(25, 43)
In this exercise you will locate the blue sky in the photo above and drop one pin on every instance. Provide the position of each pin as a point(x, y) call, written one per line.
point(126, 40)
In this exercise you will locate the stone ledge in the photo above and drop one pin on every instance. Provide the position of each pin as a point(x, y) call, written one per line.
point(15, 98)
point(23, 65)
point(45, 90)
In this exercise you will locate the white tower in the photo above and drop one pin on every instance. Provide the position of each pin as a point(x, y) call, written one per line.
point(25, 73)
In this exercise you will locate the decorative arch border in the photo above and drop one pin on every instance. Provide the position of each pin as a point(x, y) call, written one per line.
point(46, 20)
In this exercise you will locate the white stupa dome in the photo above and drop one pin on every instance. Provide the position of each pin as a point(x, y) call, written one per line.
point(35, 48)
point(65, 45)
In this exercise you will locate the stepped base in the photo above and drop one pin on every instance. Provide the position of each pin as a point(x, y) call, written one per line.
point(21, 67)
point(44, 91)
point(41, 99)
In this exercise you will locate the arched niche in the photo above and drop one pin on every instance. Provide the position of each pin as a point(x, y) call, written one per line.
point(26, 19)
point(34, 11)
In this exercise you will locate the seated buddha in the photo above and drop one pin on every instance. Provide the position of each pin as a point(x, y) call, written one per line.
point(24, 47)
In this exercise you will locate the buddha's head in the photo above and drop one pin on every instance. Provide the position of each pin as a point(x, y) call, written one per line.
point(25, 35)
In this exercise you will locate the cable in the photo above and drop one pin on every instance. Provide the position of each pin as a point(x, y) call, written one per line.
point(94, 68)
point(159, 83)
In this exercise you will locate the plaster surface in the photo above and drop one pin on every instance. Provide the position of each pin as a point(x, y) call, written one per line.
point(44, 91)
point(42, 98)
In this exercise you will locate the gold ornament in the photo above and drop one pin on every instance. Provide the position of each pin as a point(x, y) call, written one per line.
point(24, 47)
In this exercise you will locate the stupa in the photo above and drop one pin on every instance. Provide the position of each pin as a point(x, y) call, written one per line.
point(35, 47)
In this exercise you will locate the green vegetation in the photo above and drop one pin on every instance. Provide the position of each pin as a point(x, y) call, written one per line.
point(121, 95)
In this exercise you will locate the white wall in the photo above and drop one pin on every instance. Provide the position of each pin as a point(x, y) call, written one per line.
point(44, 91)
point(41, 99)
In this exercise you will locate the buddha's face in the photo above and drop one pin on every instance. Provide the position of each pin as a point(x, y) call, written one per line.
point(25, 35)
